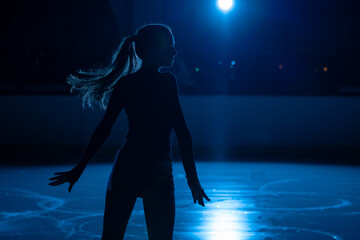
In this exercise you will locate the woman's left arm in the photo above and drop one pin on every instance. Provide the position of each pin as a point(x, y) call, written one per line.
point(97, 139)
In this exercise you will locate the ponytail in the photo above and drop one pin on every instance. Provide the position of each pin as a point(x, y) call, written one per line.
point(95, 85)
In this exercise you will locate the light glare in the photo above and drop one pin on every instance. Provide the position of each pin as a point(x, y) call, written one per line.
point(225, 5)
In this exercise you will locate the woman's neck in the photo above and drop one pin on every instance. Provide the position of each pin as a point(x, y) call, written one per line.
point(148, 66)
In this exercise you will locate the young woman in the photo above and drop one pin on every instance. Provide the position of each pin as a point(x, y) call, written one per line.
point(142, 166)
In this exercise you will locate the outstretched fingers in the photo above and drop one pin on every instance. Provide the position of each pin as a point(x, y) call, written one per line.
point(201, 201)
point(58, 182)
point(205, 196)
point(198, 197)
point(56, 177)
point(69, 176)
point(70, 187)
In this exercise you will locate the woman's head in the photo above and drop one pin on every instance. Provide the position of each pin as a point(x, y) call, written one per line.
point(154, 43)
point(154, 48)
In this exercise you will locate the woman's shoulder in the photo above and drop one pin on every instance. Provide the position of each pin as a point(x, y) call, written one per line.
point(167, 78)
point(170, 78)
point(127, 78)
point(123, 83)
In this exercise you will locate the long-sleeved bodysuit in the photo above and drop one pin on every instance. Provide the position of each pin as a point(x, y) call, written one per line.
point(151, 102)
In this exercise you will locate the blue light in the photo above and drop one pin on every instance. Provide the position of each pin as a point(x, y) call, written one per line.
point(225, 5)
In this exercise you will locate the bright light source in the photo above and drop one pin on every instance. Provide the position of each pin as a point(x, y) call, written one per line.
point(225, 5)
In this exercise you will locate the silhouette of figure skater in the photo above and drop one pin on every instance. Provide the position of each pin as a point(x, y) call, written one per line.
point(142, 166)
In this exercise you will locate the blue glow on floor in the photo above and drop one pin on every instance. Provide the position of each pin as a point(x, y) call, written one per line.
point(248, 201)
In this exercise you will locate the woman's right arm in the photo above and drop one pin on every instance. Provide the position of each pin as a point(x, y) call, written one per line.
point(185, 144)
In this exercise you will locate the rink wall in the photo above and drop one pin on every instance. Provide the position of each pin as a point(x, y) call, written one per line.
point(218, 123)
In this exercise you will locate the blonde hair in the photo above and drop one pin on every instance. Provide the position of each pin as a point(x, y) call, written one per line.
point(96, 85)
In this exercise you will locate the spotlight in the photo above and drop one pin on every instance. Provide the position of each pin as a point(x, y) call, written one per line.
point(225, 5)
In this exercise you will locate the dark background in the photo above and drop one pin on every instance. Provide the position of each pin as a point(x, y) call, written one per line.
point(44, 41)
point(270, 79)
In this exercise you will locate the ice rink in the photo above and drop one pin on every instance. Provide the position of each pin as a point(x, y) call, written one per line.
point(262, 201)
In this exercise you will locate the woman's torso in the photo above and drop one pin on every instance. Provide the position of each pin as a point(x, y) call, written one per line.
point(146, 153)
point(147, 103)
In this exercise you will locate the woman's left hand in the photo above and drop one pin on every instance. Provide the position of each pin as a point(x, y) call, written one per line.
point(70, 176)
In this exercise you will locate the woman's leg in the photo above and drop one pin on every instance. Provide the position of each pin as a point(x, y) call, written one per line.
point(159, 210)
point(118, 208)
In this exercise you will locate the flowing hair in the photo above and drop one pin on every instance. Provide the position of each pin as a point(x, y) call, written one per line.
point(95, 85)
